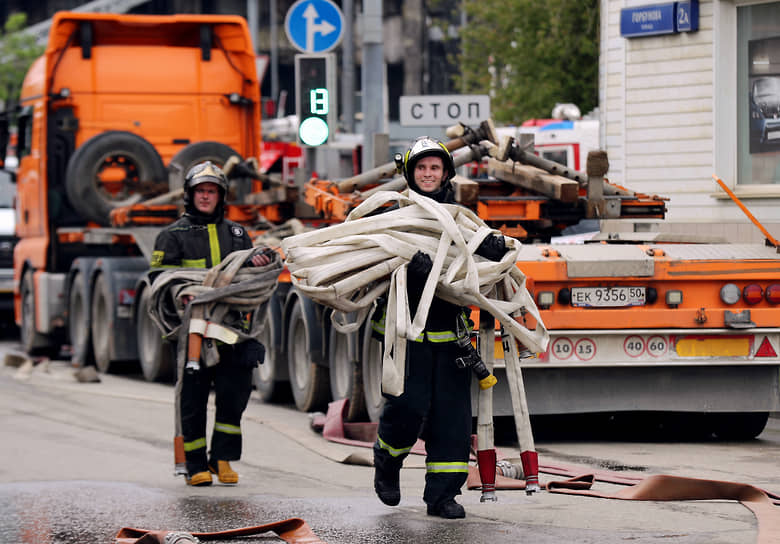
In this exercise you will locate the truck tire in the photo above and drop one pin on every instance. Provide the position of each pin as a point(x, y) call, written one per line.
point(33, 342)
point(156, 356)
point(102, 324)
point(372, 373)
point(79, 323)
point(107, 171)
point(738, 425)
point(192, 154)
point(346, 376)
point(270, 378)
point(309, 381)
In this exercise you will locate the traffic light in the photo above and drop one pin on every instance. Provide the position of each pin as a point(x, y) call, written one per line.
point(315, 103)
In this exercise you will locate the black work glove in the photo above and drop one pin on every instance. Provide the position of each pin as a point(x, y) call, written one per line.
point(420, 265)
point(419, 268)
point(492, 247)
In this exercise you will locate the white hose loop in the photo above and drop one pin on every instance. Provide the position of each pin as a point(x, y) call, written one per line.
point(229, 286)
point(348, 266)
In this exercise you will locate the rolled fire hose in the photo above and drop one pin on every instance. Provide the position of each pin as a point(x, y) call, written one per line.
point(348, 266)
point(217, 293)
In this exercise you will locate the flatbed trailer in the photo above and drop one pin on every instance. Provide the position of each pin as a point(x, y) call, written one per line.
point(645, 328)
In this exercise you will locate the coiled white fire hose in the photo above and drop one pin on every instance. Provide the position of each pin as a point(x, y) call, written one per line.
point(229, 286)
point(348, 266)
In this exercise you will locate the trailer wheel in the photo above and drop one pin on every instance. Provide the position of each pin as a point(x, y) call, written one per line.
point(372, 373)
point(155, 354)
point(271, 377)
point(192, 154)
point(108, 171)
point(79, 323)
point(738, 425)
point(33, 342)
point(346, 376)
point(309, 381)
point(102, 325)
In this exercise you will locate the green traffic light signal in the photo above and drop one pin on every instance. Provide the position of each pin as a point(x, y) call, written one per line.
point(313, 131)
point(315, 98)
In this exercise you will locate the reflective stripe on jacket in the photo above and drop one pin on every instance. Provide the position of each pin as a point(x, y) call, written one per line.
point(434, 336)
point(191, 242)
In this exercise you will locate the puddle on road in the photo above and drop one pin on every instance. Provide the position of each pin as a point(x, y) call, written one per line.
point(86, 512)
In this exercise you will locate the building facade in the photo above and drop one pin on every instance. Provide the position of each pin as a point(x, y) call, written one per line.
point(677, 107)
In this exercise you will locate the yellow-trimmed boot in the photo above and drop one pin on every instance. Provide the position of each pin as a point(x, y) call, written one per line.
point(224, 472)
point(199, 478)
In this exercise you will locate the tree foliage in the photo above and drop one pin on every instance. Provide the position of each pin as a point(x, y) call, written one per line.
point(18, 50)
point(530, 54)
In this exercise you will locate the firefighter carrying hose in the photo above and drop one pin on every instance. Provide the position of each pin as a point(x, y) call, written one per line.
point(202, 238)
point(436, 402)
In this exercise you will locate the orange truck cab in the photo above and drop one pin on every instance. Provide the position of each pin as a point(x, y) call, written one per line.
point(117, 109)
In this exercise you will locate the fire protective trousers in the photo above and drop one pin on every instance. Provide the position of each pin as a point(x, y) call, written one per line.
point(232, 381)
point(435, 406)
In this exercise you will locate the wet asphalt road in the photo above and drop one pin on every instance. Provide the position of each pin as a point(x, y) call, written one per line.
point(80, 461)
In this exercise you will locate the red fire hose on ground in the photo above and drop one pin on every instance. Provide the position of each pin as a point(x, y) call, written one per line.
point(293, 530)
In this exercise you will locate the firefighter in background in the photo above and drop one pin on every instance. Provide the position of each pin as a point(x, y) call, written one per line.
point(201, 238)
point(436, 402)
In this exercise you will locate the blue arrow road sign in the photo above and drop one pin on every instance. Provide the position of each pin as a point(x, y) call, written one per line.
point(314, 26)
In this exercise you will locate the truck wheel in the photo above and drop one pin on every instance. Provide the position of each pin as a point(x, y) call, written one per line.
point(309, 381)
point(738, 426)
point(33, 342)
point(192, 154)
point(78, 323)
point(372, 373)
point(346, 376)
point(108, 170)
point(102, 324)
point(156, 356)
point(270, 377)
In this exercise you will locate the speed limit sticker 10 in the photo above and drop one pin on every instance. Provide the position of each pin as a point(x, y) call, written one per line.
point(563, 348)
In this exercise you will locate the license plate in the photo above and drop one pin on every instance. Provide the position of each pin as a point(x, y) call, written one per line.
point(607, 297)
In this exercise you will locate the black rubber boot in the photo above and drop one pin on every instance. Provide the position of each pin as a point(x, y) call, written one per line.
point(387, 484)
point(448, 509)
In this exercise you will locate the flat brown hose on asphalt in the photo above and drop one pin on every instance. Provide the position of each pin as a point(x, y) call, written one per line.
point(764, 505)
point(293, 530)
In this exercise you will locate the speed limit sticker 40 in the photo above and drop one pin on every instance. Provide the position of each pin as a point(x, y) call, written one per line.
point(634, 345)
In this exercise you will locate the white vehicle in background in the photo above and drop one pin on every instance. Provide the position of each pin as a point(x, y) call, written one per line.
point(565, 138)
point(562, 141)
point(7, 243)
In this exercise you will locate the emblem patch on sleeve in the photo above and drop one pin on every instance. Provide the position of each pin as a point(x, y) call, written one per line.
point(237, 231)
point(157, 258)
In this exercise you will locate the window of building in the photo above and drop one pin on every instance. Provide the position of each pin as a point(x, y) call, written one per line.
point(758, 94)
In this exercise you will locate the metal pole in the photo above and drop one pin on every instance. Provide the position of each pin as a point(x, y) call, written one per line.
point(273, 11)
point(372, 79)
point(348, 68)
point(251, 19)
point(463, 23)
